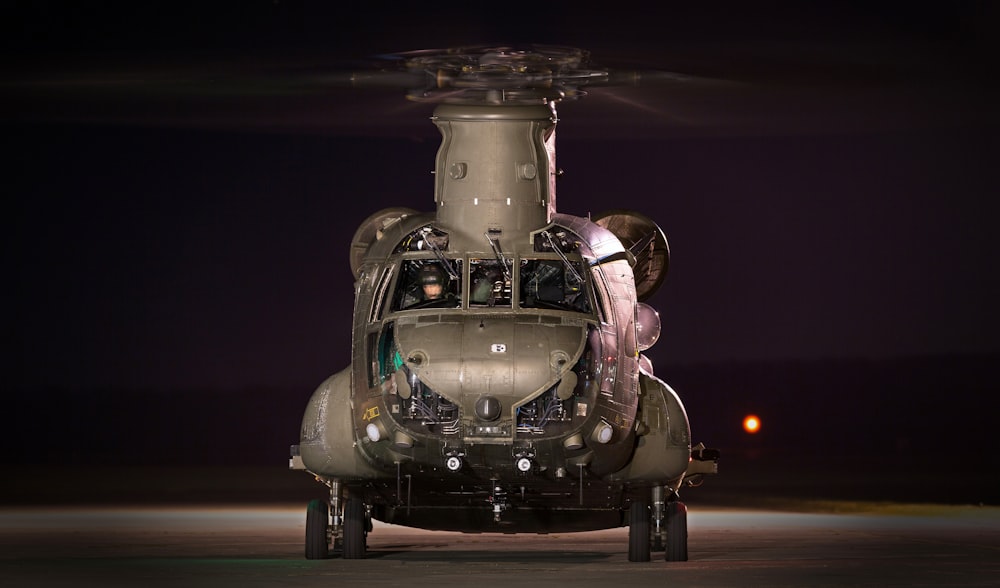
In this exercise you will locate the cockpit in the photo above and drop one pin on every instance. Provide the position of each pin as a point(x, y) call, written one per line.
point(550, 293)
point(546, 279)
point(538, 283)
point(427, 283)
point(552, 284)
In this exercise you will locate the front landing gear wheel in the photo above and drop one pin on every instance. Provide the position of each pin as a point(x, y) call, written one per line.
point(355, 529)
point(677, 532)
point(317, 522)
point(638, 532)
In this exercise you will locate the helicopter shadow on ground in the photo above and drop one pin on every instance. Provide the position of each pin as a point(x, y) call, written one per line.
point(405, 553)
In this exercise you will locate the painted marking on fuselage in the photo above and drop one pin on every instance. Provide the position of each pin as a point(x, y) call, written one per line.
point(371, 413)
point(498, 348)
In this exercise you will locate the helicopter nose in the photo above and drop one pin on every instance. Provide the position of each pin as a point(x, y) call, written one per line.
point(488, 408)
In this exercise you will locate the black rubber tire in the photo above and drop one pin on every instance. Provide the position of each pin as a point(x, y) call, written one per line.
point(354, 529)
point(317, 520)
point(677, 532)
point(638, 532)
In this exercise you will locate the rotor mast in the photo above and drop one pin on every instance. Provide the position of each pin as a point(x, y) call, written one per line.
point(495, 170)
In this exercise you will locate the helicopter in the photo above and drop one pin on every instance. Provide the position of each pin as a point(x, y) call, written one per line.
point(497, 381)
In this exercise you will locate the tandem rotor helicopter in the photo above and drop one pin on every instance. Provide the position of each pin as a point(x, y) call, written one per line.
point(497, 380)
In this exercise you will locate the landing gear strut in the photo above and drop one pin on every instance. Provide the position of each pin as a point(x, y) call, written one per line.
point(659, 519)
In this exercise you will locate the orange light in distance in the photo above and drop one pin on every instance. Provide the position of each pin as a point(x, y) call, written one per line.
point(751, 424)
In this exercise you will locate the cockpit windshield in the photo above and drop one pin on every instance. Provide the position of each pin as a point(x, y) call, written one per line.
point(489, 287)
point(427, 283)
point(549, 283)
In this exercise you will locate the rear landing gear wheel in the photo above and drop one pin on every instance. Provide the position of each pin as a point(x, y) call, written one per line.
point(355, 529)
point(317, 521)
point(677, 532)
point(638, 532)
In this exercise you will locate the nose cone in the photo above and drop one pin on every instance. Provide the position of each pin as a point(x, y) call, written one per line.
point(489, 365)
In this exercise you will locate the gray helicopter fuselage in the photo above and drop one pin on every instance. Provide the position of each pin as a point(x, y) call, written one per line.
point(518, 399)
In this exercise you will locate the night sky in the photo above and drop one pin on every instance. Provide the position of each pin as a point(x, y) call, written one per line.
point(826, 180)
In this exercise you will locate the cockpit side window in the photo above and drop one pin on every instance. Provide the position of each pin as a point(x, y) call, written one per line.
point(428, 283)
point(553, 284)
point(597, 277)
point(488, 285)
point(378, 301)
point(384, 358)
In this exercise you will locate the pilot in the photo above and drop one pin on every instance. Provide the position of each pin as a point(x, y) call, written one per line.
point(432, 281)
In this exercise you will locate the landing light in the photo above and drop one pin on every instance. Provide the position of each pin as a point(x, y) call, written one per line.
point(751, 424)
point(523, 464)
point(453, 463)
point(373, 432)
point(603, 432)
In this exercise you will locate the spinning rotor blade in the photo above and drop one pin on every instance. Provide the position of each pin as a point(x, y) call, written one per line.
point(310, 94)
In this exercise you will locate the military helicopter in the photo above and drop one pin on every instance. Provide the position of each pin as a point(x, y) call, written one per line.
point(497, 380)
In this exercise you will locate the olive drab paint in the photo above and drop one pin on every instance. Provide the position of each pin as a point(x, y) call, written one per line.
point(511, 394)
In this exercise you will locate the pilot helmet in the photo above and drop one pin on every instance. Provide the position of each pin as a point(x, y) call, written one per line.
point(431, 274)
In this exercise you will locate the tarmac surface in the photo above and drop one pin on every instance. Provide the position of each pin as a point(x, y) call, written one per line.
point(757, 525)
point(873, 545)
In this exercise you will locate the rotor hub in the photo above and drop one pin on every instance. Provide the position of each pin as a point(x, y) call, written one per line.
point(537, 74)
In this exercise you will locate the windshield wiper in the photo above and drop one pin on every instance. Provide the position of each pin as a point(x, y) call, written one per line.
point(504, 264)
point(562, 256)
point(437, 253)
